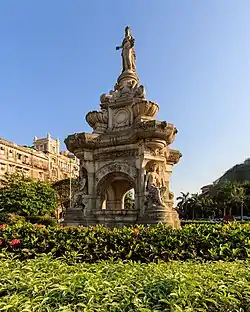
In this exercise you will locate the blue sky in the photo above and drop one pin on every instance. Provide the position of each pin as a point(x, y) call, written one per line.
point(193, 57)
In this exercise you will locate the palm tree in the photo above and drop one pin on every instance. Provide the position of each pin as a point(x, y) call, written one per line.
point(183, 202)
point(194, 203)
point(229, 195)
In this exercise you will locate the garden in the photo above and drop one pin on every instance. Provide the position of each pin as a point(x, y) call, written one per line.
point(45, 266)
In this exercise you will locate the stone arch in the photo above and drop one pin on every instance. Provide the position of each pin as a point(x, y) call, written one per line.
point(119, 166)
point(112, 187)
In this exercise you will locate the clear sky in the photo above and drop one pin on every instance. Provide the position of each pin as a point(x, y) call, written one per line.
point(193, 57)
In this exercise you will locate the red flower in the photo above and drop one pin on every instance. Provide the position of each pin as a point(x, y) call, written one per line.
point(15, 242)
point(1, 242)
point(3, 226)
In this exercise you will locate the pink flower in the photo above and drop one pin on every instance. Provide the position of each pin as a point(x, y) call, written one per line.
point(15, 242)
point(1, 242)
point(3, 226)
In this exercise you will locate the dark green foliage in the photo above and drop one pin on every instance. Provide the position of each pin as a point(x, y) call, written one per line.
point(27, 197)
point(145, 244)
point(48, 285)
point(44, 220)
point(191, 206)
point(62, 188)
point(128, 200)
point(224, 198)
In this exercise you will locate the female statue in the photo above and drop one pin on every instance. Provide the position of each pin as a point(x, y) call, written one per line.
point(128, 52)
point(155, 186)
point(83, 181)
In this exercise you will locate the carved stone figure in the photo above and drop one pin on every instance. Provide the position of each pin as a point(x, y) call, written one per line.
point(111, 97)
point(128, 53)
point(140, 92)
point(155, 187)
point(77, 200)
point(83, 182)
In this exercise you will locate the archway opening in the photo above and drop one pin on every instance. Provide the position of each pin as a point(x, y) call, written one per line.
point(113, 190)
point(129, 199)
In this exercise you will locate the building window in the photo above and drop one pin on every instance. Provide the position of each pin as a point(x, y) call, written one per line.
point(10, 153)
point(2, 167)
point(12, 169)
point(54, 173)
point(19, 156)
point(19, 169)
point(2, 150)
point(26, 160)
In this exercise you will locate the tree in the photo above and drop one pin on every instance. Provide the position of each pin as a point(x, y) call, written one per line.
point(183, 203)
point(229, 196)
point(246, 205)
point(27, 197)
point(128, 200)
point(194, 204)
point(62, 188)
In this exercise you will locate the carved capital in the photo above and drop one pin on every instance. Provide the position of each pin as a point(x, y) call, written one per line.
point(173, 157)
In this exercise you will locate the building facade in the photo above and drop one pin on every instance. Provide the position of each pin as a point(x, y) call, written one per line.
point(42, 161)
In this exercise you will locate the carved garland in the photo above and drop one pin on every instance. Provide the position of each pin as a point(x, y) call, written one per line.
point(116, 154)
point(124, 167)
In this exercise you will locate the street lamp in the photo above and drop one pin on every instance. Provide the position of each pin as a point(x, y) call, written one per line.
point(70, 182)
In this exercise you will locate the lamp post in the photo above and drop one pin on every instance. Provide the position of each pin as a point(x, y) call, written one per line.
point(70, 183)
point(241, 211)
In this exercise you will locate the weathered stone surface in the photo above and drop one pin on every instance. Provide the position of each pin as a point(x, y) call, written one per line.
point(127, 149)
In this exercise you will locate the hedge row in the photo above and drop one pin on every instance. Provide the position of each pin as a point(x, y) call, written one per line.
point(209, 242)
point(47, 285)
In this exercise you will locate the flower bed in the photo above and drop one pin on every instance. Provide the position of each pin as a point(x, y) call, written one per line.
point(45, 284)
point(145, 244)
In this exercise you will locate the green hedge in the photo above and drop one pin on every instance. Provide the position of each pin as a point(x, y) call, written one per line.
point(145, 244)
point(45, 284)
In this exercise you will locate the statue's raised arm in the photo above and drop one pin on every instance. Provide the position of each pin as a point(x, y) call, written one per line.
point(128, 52)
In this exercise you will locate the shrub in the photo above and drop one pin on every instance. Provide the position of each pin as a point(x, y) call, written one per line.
point(44, 220)
point(27, 197)
point(51, 285)
point(145, 244)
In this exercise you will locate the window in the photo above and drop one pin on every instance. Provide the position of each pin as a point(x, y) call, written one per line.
point(12, 169)
point(19, 156)
point(26, 172)
point(2, 167)
point(19, 169)
point(10, 153)
point(26, 160)
point(2, 150)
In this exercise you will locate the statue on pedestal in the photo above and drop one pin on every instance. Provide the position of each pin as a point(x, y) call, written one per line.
point(128, 52)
